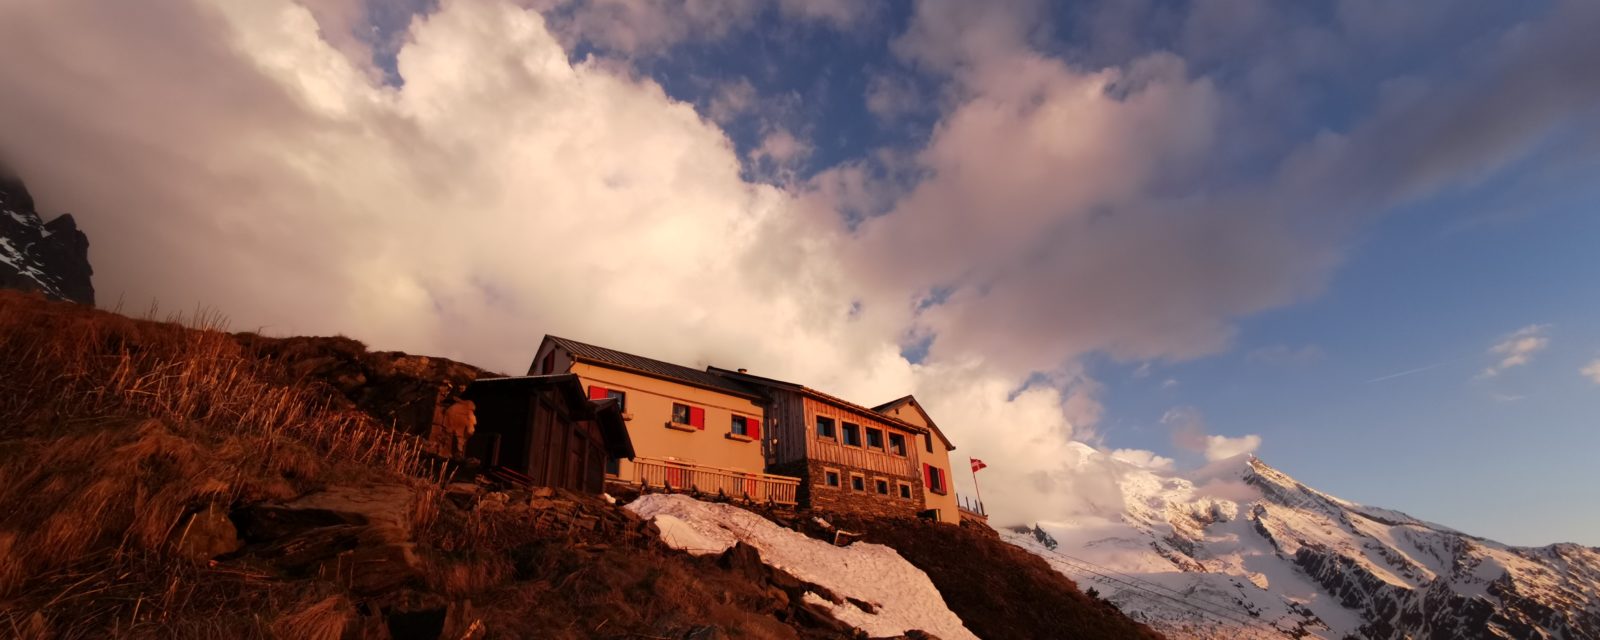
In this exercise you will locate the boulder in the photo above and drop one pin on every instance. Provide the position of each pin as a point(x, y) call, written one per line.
point(208, 534)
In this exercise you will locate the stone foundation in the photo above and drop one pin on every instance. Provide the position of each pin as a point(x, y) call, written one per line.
point(814, 492)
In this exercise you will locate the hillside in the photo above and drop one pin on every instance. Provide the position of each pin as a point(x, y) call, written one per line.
point(162, 479)
point(1243, 550)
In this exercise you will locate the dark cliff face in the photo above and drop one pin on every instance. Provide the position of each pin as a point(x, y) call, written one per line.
point(49, 257)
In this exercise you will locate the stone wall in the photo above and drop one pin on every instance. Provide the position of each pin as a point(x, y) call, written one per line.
point(816, 494)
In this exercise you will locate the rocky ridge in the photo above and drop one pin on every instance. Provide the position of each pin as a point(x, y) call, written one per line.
point(48, 257)
point(1241, 549)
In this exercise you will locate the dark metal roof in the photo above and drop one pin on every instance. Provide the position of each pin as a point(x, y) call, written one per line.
point(652, 367)
point(825, 397)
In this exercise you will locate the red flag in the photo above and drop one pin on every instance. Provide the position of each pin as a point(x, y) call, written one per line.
point(977, 464)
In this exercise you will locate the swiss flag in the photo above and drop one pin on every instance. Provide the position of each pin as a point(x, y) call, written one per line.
point(977, 464)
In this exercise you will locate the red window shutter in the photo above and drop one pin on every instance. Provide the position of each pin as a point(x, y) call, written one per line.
point(697, 418)
point(752, 427)
point(927, 475)
point(597, 393)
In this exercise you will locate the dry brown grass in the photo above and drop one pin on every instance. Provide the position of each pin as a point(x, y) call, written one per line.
point(324, 619)
point(114, 432)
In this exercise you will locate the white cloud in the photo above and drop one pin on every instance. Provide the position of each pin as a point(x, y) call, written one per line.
point(731, 100)
point(779, 154)
point(1223, 447)
point(891, 96)
point(1143, 458)
point(1189, 432)
point(1592, 371)
point(505, 190)
point(1518, 348)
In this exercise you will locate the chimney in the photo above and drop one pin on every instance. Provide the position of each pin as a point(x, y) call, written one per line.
point(743, 370)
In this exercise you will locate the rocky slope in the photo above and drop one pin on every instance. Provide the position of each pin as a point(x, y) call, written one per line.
point(168, 481)
point(48, 257)
point(1241, 549)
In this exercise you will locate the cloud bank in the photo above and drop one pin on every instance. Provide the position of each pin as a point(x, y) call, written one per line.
point(261, 159)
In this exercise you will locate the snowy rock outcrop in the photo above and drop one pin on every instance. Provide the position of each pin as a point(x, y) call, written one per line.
point(48, 257)
point(1242, 550)
point(898, 597)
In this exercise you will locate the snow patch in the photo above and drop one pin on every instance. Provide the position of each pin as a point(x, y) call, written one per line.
point(904, 596)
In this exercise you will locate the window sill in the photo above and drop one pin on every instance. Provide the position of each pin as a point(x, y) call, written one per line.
point(679, 426)
point(735, 436)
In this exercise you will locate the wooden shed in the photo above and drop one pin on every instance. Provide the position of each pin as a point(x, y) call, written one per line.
point(547, 429)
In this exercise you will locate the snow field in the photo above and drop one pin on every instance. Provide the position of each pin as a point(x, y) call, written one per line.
point(903, 595)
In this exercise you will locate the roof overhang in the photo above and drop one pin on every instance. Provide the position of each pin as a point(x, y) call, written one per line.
point(651, 374)
point(824, 397)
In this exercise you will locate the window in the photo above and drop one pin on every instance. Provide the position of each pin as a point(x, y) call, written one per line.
point(882, 486)
point(832, 478)
point(825, 428)
point(601, 393)
point(747, 427)
point(858, 482)
point(687, 416)
point(905, 490)
point(852, 434)
point(875, 438)
point(613, 466)
point(549, 365)
point(934, 476)
point(927, 441)
point(897, 444)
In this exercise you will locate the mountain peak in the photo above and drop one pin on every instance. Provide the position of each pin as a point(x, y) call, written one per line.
point(1271, 556)
point(49, 257)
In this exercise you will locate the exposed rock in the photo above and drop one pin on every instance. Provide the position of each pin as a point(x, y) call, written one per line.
point(415, 394)
point(209, 534)
point(453, 424)
point(358, 536)
point(862, 605)
point(48, 257)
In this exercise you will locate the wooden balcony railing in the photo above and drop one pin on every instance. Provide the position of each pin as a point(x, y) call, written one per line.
point(970, 506)
point(684, 476)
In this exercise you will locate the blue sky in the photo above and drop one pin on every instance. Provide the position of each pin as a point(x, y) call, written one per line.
point(1172, 230)
point(1432, 283)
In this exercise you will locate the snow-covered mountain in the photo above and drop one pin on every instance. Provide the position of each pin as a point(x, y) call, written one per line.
point(49, 257)
point(1242, 550)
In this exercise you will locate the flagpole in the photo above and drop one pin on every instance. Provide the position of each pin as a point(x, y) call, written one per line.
point(975, 488)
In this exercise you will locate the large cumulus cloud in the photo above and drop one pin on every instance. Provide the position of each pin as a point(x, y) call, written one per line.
point(262, 159)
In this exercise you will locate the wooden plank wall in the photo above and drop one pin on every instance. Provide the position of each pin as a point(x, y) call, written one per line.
point(827, 450)
point(787, 420)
